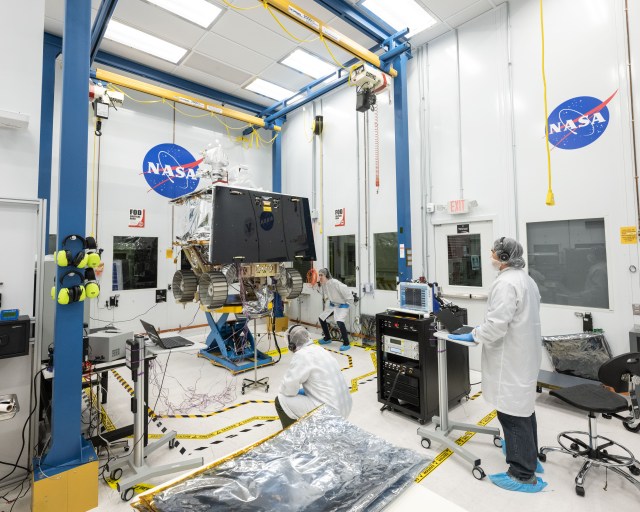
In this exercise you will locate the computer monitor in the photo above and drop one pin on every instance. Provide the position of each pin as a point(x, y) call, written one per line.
point(417, 296)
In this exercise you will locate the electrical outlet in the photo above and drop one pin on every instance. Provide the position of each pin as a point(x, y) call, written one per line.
point(636, 309)
point(113, 301)
point(161, 296)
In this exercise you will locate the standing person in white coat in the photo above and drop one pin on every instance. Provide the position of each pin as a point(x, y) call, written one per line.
point(312, 379)
point(338, 294)
point(511, 354)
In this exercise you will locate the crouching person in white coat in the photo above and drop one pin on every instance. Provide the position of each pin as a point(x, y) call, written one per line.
point(312, 379)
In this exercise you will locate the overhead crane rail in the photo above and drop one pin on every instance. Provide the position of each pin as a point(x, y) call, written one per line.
point(184, 99)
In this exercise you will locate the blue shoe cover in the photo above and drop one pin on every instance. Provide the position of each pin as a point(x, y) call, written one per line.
point(539, 468)
point(344, 347)
point(322, 341)
point(505, 481)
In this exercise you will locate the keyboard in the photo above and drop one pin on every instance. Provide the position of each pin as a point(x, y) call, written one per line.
point(174, 342)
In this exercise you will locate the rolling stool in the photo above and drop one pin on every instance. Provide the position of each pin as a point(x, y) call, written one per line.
point(621, 373)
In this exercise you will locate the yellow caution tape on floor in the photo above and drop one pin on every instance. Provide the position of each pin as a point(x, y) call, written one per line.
point(220, 431)
point(136, 488)
point(106, 420)
point(444, 455)
point(354, 382)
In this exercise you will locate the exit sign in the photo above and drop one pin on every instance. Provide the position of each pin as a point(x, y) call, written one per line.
point(458, 206)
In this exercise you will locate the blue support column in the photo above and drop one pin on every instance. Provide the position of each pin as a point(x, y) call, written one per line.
point(276, 158)
point(403, 186)
point(68, 448)
point(50, 51)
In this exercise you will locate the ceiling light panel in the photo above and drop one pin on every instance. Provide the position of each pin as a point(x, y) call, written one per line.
point(199, 12)
point(308, 64)
point(401, 14)
point(215, 68)
point(235, 27)
point(144, 42)
point(269, 90)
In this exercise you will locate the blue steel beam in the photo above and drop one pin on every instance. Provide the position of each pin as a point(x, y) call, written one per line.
point(292, 103)
point(141, 70)
point(51, 50)
point(311, 85)
point(100, 26)
point(310, 97)
point(403, 178)
point(369, 25)
point(276, 159)
point(68, 448)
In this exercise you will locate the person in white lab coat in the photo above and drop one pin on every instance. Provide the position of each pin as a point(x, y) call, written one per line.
point(338, 294)
point(312, 379)
point(511, 354)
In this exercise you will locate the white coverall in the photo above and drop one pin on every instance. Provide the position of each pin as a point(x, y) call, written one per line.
point(317, 372)
point(338, 294)
point(511, 343)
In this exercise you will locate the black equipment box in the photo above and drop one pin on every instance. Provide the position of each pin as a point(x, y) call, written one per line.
point(252, 226)
point(14, 337)
point(408, 365)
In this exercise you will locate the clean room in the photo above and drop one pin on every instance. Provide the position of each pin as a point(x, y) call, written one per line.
point(319, 255)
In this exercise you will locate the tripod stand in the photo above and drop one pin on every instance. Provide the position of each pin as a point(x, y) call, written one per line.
point(135, 461)
point(255, 382)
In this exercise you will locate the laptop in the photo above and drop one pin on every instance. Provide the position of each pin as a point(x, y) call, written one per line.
point(166, 343)
point(451, 322)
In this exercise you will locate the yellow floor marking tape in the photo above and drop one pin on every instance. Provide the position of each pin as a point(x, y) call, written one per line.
point(220, 431)
point(106, 420)
point(136, 488)
point(444, 455)
point(209, 414)
point(354, 382)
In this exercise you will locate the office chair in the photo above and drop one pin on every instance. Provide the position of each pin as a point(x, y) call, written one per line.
point(622, 373)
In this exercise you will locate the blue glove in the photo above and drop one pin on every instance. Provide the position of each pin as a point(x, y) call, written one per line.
point(301, 391)
point(461, 337)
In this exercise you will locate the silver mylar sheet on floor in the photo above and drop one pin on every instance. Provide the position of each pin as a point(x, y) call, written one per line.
point(321, 463)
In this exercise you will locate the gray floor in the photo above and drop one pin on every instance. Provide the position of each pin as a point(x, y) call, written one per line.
point(233, 421)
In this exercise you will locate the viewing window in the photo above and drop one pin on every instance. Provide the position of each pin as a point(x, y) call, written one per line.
point(465, 260)
point(386, 260)
point(135, 262)
point(568, 261)
point(342, 258)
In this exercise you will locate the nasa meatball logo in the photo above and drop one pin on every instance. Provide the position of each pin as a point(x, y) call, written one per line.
point(266, 220)
point(578, 122)
point(170, 170)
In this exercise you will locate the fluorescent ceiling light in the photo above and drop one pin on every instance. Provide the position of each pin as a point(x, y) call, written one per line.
point(269, 90)
point(199, 12)
point(401, 14)
point(144, 42)
point(308, 64)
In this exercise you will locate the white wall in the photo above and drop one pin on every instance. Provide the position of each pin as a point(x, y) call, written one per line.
point(20, 86)
point(341, 172)
point(512, 193)
point(20, 92)
point(477, 132)
point(128, 134)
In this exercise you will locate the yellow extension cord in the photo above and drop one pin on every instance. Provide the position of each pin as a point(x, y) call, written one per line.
point(550, 201)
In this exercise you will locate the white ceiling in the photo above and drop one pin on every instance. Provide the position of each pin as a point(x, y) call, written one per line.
point(244, 44)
